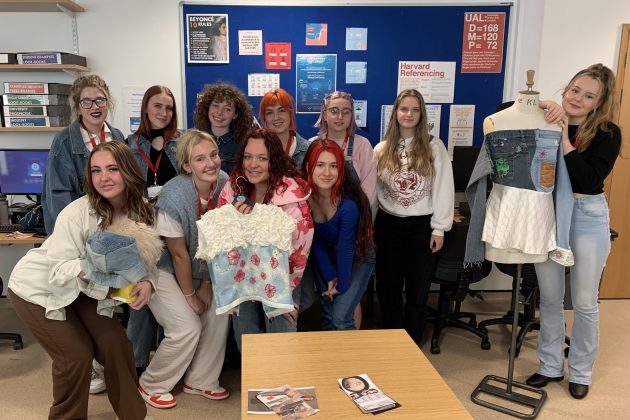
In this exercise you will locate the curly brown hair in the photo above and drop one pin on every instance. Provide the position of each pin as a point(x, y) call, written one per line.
point(224, 92)
point(91, 80)
point(280, 165)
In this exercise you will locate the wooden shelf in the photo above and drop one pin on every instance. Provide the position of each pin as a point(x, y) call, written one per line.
point(44, 67)
point(30, 129)
point(38, 6)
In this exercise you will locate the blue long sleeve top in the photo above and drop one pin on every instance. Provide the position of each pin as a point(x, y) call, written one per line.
point(333, 244)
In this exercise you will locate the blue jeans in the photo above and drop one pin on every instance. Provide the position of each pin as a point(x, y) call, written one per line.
point(251, 319)
point(141, 331)
point(590, 241)
point(338, 314)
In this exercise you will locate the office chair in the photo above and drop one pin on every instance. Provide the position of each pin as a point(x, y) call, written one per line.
point(527, 320)
point(17, 338)
point(454, 281)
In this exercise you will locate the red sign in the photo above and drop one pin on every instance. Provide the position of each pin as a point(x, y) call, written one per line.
point(278, 56)
point(482, 47)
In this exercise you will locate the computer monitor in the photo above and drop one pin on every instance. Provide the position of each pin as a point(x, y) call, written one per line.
point(22, 171)
point(464, 159)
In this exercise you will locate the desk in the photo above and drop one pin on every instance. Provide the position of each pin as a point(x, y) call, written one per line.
point(389, 357)
point(27, 239)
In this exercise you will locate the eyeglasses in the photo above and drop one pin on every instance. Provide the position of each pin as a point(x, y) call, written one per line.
point(344, 111)
point(86, 103)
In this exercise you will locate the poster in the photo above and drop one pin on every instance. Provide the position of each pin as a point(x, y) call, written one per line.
point(356, 71)
point(260, 83)
point(460, 126)
point(315, 77)
point(356, 39)
point(278, 55)
point(386, 112)
point(207, 38)
point(250, 42)
point(360, 112)
point(316, 34)
point(482, 46)
point(434, 116)
point(132, 103)
point(434, 79)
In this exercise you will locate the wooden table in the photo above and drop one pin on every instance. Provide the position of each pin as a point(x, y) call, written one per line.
point(27, 239)
point(389, 357)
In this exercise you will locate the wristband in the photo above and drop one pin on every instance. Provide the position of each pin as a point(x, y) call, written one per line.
point(190, 294)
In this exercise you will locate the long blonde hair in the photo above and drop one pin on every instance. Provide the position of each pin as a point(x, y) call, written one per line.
point(601, 116)
point(421, 157)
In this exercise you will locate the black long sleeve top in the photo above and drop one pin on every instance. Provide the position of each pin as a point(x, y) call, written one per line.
point(588, 169)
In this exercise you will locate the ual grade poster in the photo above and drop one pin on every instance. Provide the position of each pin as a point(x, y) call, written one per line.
point(316, 76)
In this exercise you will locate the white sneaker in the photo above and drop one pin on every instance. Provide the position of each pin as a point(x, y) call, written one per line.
point(218, 394)
point(161, 401)
point(97, 384)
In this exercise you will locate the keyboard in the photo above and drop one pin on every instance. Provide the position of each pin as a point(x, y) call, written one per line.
point(10, 228)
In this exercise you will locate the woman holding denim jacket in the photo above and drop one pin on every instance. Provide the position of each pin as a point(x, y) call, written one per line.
point(591, 143)
point(63, 182)
point(154, 146)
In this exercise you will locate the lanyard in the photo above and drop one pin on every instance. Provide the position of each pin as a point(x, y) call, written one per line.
point(91, 136)
point(344, 144)
point(210, 205)
point(287, 149)
point(146, 158)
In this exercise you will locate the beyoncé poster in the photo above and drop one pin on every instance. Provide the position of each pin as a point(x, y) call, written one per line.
point(207, 38)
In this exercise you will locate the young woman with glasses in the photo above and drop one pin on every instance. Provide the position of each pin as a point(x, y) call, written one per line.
point(70, 148)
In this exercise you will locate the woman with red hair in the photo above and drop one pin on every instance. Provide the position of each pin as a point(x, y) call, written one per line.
point(277, 115)
point(266, 175)
point(343, 234)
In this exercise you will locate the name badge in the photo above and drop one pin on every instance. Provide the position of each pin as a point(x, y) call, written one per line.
point(154, 190)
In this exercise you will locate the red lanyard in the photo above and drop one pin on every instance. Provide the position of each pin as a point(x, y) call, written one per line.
point(146, 158)
point(210, 205)
point(91, 136)
point(287, 149)
point(344, 144)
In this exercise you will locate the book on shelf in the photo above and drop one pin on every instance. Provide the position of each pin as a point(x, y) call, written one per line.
point(8, 58)
point(36, 88)
point(35, 121)
point(37, 111)
point(50, 57)
point(19, 99)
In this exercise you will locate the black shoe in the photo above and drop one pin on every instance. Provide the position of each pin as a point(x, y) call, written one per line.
point(578, 391)
point(540, 381)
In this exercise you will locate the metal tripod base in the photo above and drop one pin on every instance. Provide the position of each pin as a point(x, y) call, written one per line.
point(534, 404)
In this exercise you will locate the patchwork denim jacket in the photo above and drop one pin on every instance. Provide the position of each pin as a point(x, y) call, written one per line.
point(525, 159)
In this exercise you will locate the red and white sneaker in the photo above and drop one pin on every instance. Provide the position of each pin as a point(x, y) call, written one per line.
point(165, 400)
point(218, 394)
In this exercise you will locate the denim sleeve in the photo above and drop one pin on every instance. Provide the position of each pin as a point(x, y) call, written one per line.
point(60, 183)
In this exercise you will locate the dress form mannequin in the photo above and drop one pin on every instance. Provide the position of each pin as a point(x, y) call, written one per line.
point(525, 114)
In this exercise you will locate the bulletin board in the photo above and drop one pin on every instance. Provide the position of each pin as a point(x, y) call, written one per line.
point(419, 33)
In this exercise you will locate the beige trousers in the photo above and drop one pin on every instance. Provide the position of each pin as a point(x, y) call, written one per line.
point(193, 345)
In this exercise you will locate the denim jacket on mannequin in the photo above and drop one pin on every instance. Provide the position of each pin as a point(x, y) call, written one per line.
point(524, 166)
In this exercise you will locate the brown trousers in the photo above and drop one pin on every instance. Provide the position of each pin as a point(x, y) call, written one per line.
point(72, 344)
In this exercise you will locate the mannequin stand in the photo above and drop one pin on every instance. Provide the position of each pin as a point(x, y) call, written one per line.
point(508, 394)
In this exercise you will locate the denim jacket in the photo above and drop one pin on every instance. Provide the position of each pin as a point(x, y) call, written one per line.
point(300, 150)
point(476, 196)
point(63, 181)
point(170, 146)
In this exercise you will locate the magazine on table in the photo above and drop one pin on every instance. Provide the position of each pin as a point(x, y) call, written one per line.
point(367, 396)
point(285, 401)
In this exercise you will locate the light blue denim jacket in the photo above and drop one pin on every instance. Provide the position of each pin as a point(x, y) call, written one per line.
point(170, 148)
point(300, 150)
point(476, 196)
point(63, 181)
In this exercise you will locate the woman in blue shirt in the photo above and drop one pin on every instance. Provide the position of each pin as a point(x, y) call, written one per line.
point(343, 234)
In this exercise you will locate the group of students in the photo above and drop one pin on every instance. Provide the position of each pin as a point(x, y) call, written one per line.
point(355, 207)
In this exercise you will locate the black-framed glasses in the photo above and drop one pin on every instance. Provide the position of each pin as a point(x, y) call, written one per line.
point(86, 103)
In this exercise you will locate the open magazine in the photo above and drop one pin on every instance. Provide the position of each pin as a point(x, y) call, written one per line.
point(287, 402)
point(367, 396)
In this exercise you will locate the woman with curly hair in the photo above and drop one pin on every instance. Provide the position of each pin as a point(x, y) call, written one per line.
point(223, 111)
point(265, 174)
point(343, 234)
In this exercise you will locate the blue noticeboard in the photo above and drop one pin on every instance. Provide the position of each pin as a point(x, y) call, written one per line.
point(395, 33)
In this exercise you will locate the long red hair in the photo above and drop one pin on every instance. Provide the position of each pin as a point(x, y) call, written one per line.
point(314, 151)
point(170, 131)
